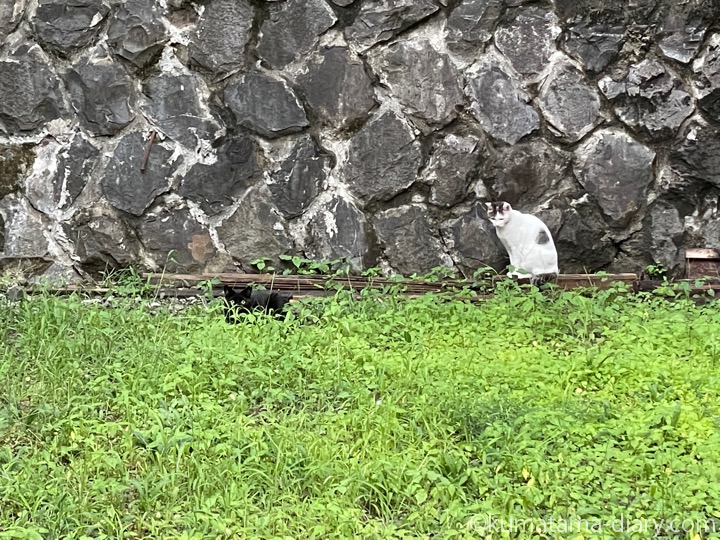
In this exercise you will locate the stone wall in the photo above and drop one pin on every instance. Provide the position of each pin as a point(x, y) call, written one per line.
point(199, 136)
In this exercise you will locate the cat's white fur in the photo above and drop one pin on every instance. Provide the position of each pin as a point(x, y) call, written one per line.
point(520, 234)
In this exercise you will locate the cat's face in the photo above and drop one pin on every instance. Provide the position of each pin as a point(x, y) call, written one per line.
point(498, 213)
point(241, 299)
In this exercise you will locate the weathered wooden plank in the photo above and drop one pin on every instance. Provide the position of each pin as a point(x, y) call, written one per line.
point(702, 268)
point(271, 278)
point(702, 262)
point(288, 282)
point(314, 286)
point(702, 253)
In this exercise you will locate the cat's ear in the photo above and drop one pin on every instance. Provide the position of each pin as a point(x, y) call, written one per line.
point(247, 291)
point(488, 207)
point(506, 207)
point(227, 290)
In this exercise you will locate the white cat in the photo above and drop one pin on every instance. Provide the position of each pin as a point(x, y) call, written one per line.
point(527, 240)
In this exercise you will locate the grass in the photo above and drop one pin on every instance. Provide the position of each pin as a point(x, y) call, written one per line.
point(382, 417)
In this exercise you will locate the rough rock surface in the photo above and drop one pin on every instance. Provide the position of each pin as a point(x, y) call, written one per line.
point(384, 159)
point(472, 23)
point(300, 178)
point(266, 105)
point(173, 103)
point(569, 104)
point(10, 15)
point(473, 242)
point(523, 174)
point(425, 81)
point(662, 236)
point(292, 29)
point(136, 32)
point(67, 25)
point(652, 100)
point(128, 188)
point(683, 28)
point(710, 235)
point(29, 91)
point(215, 186)
point(339, 230)
point(363, 129)
point(617, 172)
point(223, 32)
point(15, 161)
point(499, 102)
point(49, 190)
point(25, 229)
point(256, 229)
point(598, 30)
point(696, 157)
point(102, 239)
point(384, 19)
point(409, 241)
point(582, 243)
point(529, 39)
point(337, 88)
point(603, 12)
point(707, 78)
point(74, 168)
point(450, 168)
point(176, 231)
point(101, 93)
point(596, 46)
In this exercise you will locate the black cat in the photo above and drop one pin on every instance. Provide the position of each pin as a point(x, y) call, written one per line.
point(248, 301)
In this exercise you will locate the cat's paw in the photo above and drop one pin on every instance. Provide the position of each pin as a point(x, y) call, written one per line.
point(540, 279)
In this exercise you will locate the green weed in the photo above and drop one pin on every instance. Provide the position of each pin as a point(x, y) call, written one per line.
point(370, 417)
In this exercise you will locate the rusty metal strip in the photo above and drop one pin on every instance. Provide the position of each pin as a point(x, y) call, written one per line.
point(147, 151)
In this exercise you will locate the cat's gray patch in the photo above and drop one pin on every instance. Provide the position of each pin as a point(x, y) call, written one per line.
point(542, 238)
